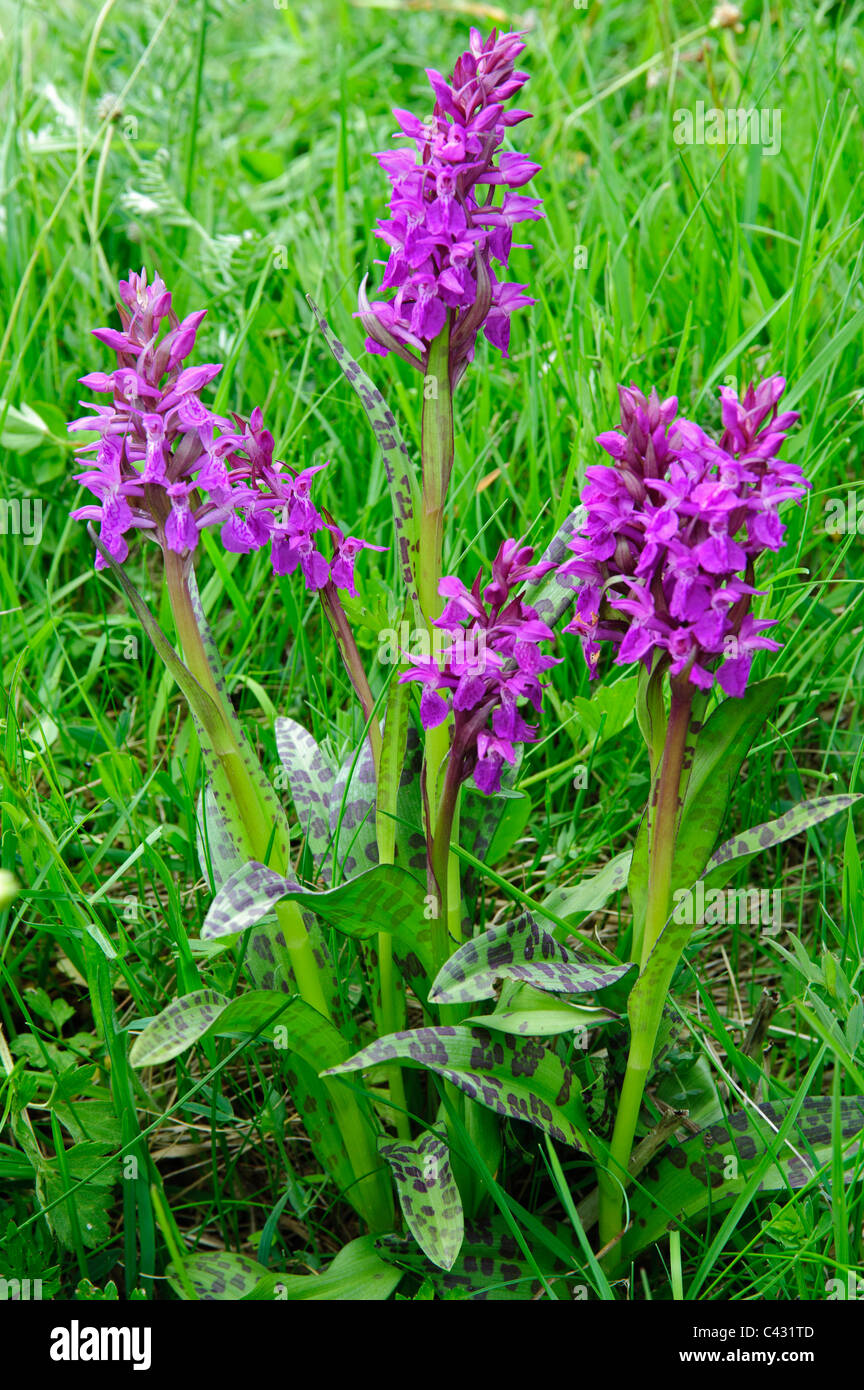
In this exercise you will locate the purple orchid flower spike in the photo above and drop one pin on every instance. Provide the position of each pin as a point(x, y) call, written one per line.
point(444, 230)
point(664, 561)
point(166, 464)
point(492, 663)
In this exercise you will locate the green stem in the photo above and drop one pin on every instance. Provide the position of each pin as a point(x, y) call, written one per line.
point(373, 1197)
point(353, 663)
point(663, 820)
point(256, 820)
point(437, 451)
point(665, 815)
point(440, 858)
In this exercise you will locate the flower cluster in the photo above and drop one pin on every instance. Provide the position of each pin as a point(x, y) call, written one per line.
point(444, 231)
point(664, 561)
point(492, 662)
point(166, 464)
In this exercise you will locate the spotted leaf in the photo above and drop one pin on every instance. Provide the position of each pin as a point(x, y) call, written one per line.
point(352, 815)
point(774, 832)
point(181, 1024)
point(428, 1195)
point(311, 776)
point(401, 474)
point(515, 1077)
point(518, 950)
point(781, 1145)
point(217, 1275)
point(549, 596)
point(490, 1265)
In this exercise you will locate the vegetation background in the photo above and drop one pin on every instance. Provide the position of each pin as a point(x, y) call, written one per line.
point(229, 146)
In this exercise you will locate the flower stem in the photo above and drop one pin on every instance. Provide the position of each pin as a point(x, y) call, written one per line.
point(262, 841)
point(254, 818)
point(440, 859)
point(663, 822)
point(344, 634)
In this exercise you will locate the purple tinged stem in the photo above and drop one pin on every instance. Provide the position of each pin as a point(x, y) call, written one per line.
point(343, 632)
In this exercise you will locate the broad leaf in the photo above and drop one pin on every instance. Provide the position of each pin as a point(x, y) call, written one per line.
point(489, 1267)
point(217, 1275)
point(385, 899)
point(773, 832)
point(549, 597)
point(653, 982)
point(428, 1195)
point(511, 1076)
point(357, 1274)
point(529, 1012)
point(181, 1024)
point(311, 777)
point(575, 901)
point(721, 746)
point(352, 814)
point(289, 1022)
point(518, 950)
point(712, 1168)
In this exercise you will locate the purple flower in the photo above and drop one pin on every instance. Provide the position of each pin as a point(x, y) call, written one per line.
point(493, 662)
point(165, 463)
point(444, 230)
point(664, 560)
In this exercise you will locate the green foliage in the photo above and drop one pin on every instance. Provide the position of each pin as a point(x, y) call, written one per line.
point(699, 264)
point(520, 1079)
point(428, 1195)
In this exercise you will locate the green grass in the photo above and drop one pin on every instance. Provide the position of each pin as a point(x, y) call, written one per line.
point(238, 163)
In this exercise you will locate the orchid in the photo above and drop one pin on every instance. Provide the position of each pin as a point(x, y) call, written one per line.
point(167, 465)
point(445, 231)
point(492, 663)
point(664, 562)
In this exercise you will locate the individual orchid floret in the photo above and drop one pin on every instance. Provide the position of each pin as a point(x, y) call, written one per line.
point(492, 664)
point(664, 560)
point(445, 230)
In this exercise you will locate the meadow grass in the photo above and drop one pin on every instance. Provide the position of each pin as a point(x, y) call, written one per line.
point(229, 146)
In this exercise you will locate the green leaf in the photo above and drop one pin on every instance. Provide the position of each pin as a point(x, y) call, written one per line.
point(748, 843)
point(181, 1024)
point(85, 1163)
point(218, 1275)
point(401, 474)
point(428, 1195)
point(522, 1080)
point(311, 776)
point(713, 1167)
point(609, 710)
point(356, 1274)
point(528, 1012)
point(308, 1040)
point(518, 950)
point(24, 429)
point(654, 979)
point(576, 900)
point(489, 1267)
point(290, 1022)
point(721, 746)
point(385, 899)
